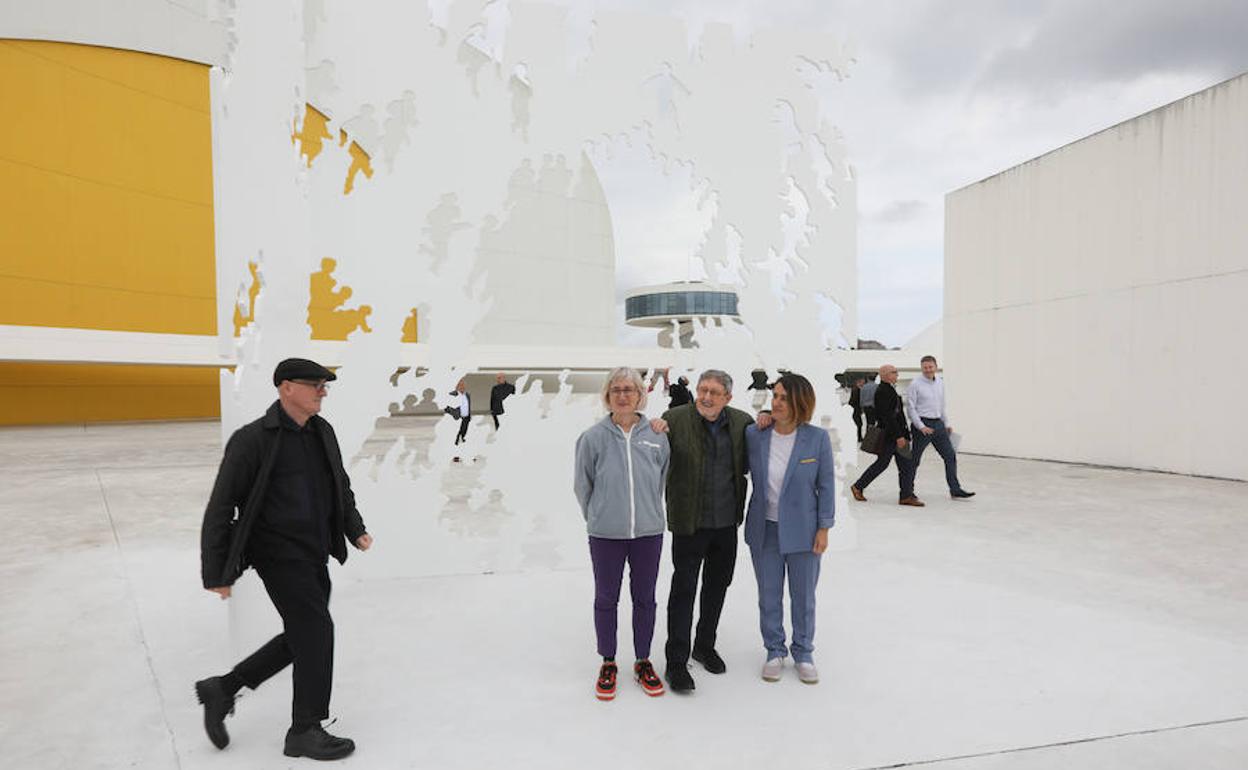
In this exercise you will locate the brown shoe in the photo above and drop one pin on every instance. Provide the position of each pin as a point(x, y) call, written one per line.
point(916, 502)
point(857, 493)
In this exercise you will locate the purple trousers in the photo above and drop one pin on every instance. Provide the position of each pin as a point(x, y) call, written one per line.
point(608, 557)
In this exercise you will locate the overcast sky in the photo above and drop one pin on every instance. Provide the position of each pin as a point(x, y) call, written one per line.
point(945, 93)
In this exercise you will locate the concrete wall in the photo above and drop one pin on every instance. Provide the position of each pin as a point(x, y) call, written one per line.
point(1093, 296)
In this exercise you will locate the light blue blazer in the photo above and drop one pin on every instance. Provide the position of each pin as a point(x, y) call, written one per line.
point(807, 497)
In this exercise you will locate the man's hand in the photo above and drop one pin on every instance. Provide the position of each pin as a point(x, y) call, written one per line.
point(764, 420)
point(222, 591)
point(949, 429)
point(658, 425)
point(364, 541)
point(821, 540)
point(926, 431)
point(901, 442)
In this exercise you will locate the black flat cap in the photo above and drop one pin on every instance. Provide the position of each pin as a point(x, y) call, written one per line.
point(301, 369)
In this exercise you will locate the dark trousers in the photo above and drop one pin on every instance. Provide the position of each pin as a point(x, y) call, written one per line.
point(495, 420)
point(463, 429)
point(858, 424)
point(713, 552)
point(869, 414)
point(300, 592)
point(608, 557)
point(905, 470)
point(944, 448)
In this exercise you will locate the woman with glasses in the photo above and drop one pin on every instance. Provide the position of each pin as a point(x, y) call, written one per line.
point(787, 523)
point(621, 466)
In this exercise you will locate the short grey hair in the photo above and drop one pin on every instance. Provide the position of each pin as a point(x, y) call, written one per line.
point(720, 376)
point(624, 373)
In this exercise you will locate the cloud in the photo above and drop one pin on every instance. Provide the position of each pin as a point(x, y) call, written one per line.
point(899, 211)
point(1081, 43)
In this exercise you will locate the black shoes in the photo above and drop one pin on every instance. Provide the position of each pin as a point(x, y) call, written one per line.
point(710, 660)
point(217, 704)
point(315, 743)
point(678, 677)
point(961, 494)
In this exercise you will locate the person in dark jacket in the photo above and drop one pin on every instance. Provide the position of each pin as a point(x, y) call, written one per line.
point(855, 403)
point(282, 503)
point(894, 443)
point(705, 505)
point(679, 393)
point(501, 390)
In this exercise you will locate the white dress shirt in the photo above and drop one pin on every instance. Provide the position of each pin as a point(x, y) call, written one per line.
point(926, 398)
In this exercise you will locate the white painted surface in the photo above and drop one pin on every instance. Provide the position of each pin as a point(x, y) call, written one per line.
point(1062, 603)
point(182, 29)
point(1094, 296)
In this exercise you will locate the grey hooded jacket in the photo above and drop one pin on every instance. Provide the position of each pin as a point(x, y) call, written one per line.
point(619, 479)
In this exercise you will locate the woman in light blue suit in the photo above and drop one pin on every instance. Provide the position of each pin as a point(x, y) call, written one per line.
point(786, 527)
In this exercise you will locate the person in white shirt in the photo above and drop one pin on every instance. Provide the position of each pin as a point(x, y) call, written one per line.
point(925, 407)
point(463, 406)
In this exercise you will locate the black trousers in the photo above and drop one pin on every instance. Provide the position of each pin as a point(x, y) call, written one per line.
point(858, 424)
point(300, 592)
point(905, 470)
point(495, 420)
point(713, 552)
point(463, 429)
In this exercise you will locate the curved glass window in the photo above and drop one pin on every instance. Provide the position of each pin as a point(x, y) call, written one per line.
point(681, 304)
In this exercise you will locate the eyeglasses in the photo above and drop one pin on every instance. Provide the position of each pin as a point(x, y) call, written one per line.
point(315, 384)
point(622, 391)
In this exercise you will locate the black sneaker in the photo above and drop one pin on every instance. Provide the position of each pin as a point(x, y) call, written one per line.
point(710, 660)
point(678, 677)
point(217, 704)
point(315, 743)
point(961, 494)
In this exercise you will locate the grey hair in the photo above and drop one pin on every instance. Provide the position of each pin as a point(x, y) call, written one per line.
point(624, 373)
point(720, 376)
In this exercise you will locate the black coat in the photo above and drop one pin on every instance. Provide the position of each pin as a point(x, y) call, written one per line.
point(889, 413)
point(239, 492)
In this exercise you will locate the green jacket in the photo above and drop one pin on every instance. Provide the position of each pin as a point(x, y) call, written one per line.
point(684, 479)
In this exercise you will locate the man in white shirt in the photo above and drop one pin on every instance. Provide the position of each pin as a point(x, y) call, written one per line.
point(925, 406)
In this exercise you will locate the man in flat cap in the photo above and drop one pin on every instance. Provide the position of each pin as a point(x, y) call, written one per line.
point(282, 503)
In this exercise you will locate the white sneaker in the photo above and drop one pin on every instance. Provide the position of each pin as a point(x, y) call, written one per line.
point(772, 669)
point(808, 673)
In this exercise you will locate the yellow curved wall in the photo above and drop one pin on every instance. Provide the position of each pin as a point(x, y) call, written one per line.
point(106, 193)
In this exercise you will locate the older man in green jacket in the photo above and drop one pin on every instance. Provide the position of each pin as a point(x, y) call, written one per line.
point(705, 505)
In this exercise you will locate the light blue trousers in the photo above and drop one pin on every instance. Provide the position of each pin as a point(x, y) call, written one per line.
point(770, 567)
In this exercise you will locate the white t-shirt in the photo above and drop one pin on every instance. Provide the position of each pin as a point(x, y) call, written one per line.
point(777, 465)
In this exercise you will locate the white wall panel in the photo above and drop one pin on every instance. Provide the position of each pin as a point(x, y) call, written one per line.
point(187, 29)
point(1101, 287)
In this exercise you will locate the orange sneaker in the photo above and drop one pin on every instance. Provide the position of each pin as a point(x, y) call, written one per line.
point(606, 681)
point(644, 673)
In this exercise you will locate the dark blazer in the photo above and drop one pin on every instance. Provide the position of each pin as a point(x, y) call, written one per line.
point(239, 492)
point(889, 414)
point(497, 394)
point(807, 496)
point(684, 479)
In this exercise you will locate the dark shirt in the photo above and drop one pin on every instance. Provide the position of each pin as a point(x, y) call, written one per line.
point(679, 394)
point(718, 496)
point(499, 392)
point(294, 521)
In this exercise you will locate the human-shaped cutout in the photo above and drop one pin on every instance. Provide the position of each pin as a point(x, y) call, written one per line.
point(252, 291)
point(312, 134)
point(327, 317)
